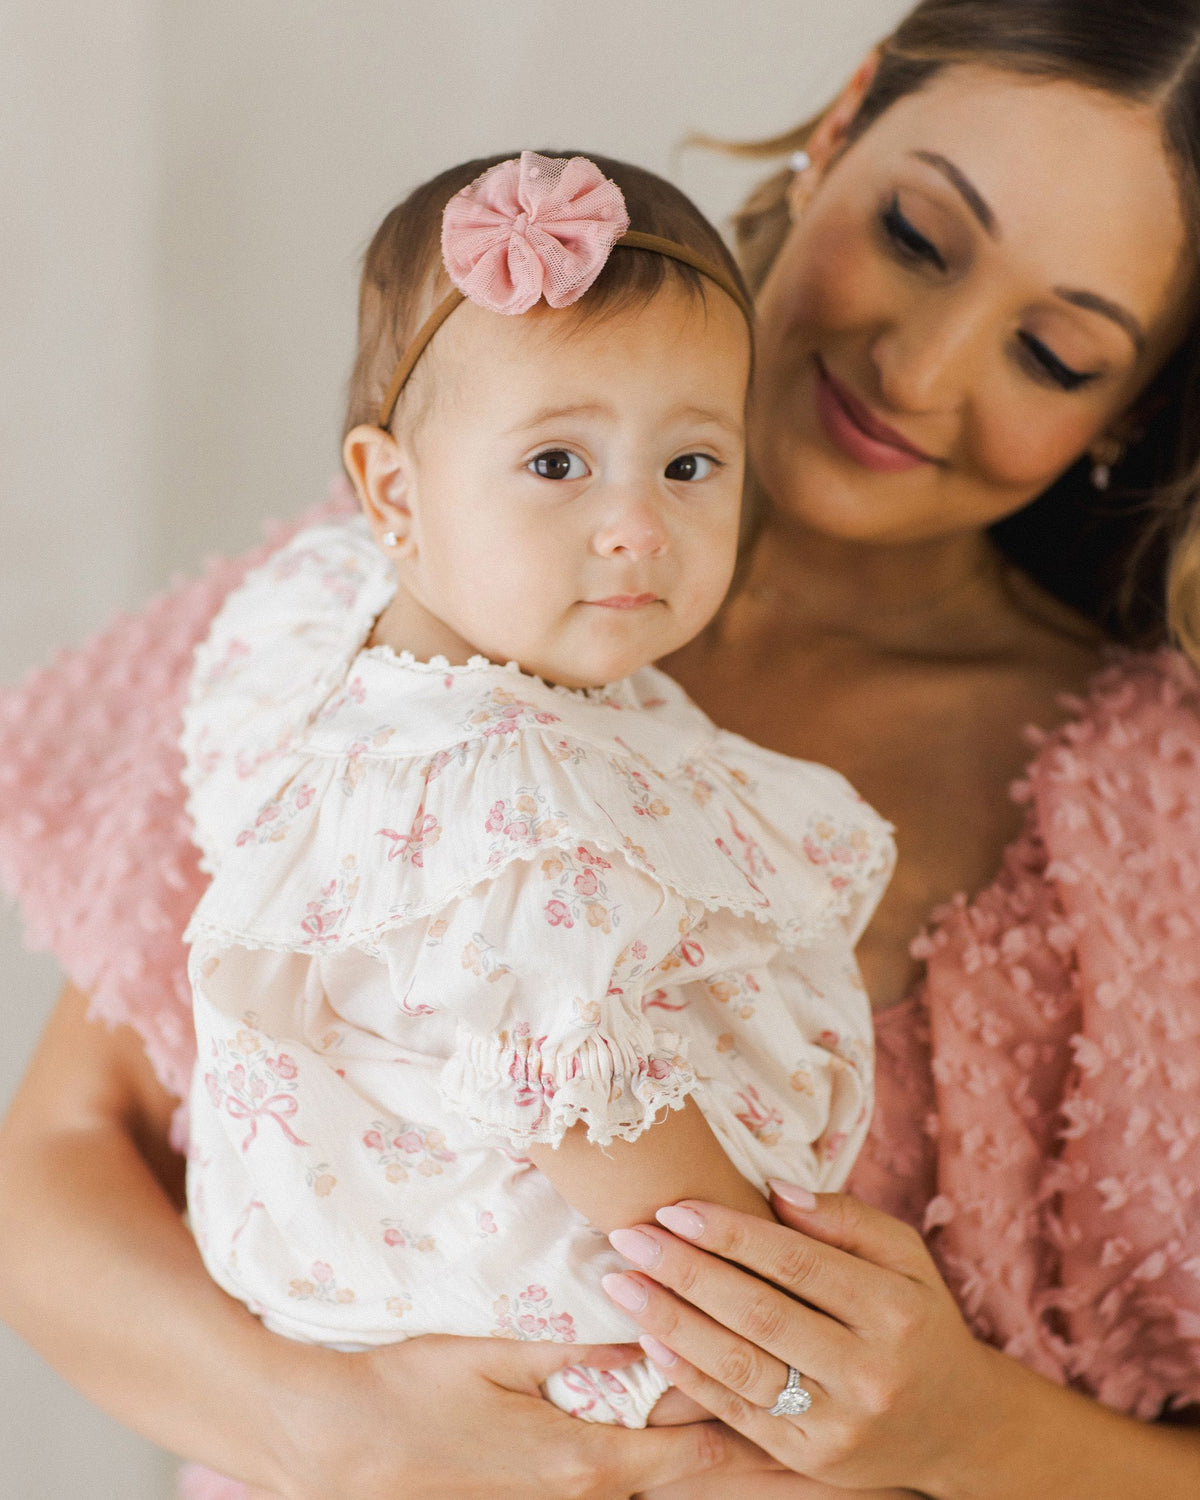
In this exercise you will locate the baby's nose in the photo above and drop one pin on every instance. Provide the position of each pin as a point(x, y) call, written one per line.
point(635, 531)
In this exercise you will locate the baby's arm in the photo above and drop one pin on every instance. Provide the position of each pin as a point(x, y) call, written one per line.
point(622, 1184)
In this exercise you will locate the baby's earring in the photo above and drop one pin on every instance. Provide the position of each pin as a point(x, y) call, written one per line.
point(390, 539)
point(799, 161)
point(1105, 454)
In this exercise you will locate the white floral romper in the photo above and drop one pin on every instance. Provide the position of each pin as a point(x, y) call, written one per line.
point(454, 911)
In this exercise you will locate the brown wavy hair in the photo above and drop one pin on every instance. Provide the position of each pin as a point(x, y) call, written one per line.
point(1129, 558)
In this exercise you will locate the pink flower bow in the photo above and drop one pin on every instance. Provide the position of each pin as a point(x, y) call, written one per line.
point(540, 226)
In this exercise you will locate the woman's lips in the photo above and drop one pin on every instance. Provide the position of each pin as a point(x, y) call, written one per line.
point(853, 429)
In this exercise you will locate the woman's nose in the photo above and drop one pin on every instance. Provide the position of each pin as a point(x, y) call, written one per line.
point(923, 363)
point(634, 530)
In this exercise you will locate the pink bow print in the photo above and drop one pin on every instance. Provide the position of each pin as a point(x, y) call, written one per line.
point(535, 227)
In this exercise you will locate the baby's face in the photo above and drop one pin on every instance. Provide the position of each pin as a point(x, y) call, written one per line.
point(575, 485)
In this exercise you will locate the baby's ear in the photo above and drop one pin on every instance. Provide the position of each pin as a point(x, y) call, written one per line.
point(379, 472)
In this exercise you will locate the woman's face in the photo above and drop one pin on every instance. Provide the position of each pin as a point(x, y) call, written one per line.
point(971, 295)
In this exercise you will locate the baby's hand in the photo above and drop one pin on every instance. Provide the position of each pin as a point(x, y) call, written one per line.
point(674, 1409)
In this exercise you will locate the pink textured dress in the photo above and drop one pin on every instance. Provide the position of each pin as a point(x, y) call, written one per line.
point(1038, 1097)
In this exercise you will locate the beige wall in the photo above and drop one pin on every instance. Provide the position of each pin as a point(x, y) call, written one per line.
point(186, 188)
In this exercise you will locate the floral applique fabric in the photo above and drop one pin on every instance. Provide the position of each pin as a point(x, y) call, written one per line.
point(454, 911)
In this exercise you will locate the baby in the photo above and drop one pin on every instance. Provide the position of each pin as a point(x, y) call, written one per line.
point(506, 943)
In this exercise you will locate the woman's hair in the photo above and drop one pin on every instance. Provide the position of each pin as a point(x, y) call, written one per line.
point(1107, 554)
point(403, 277)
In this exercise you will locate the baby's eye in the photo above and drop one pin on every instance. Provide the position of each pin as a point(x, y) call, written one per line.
point(691, 466)
point(557, 463)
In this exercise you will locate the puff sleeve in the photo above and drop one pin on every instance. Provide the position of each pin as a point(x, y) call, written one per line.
point(542, 970)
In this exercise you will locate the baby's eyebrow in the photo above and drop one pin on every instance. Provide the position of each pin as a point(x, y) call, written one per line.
point(554, 413)
point(602, 409)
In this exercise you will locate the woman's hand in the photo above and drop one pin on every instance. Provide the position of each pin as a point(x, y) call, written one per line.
point(467, 1423)
point(895, 1376)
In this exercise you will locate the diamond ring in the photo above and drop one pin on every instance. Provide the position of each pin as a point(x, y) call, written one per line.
point(793, 1400)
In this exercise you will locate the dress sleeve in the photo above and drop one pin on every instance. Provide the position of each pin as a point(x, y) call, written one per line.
point(95, 845)
point(543, 969)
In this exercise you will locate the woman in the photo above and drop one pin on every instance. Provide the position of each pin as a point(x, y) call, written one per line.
point(978, 291)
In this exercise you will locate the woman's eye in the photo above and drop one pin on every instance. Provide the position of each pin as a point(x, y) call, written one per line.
point(908, 239)
point(557, 463)
point(691, 466)
point(1046, 364)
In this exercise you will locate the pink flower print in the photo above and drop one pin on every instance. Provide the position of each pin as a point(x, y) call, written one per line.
point(586, 856)
point(586, 883)
point(237, 1076)
point(495, 818)
point(394, 1237)
point(638, 950)
point(531, 1315)
point(563, 1325)
point(486, 1222)
point(322, 1270)
point(558, 915)
point(373, 1140)
point(304, 796)
point(258, 1088)
point(284, 1066)
point(409, 1141)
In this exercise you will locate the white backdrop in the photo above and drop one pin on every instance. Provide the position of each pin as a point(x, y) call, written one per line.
point(186, 191)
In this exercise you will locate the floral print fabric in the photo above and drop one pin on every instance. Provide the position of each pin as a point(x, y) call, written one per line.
point(455, 911)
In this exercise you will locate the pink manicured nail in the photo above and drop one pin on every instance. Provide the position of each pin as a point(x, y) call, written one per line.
point(681, 1221)
point(635, 1246)
point(798, 1197)
point(624, 1292)
point(659, 1353)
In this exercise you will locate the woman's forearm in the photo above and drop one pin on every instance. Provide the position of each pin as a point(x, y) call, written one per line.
point(99, 1274)
point(1035, 1439)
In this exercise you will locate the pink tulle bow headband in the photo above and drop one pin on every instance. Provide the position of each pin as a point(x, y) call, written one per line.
point(534, 227)
point(531, 228)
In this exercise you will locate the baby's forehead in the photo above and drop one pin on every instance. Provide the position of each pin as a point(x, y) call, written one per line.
point(673, 349)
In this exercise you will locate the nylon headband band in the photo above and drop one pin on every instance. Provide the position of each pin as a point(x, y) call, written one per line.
point(633, 240)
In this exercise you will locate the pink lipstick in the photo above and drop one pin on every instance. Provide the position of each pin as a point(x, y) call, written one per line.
point(857, 432)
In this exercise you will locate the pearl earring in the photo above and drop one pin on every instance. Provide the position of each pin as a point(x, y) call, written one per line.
point(390, 539)
point(1105, 456)
point(800, 161)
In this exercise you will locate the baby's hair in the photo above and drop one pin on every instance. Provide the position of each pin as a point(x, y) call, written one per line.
point(403, 277)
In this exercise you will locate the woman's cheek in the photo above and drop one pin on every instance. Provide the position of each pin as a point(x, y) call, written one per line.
point(1023, 446)
point(841, 283)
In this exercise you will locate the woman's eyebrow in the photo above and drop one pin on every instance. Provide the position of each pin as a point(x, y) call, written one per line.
point(1094, 302)
point(969, 193)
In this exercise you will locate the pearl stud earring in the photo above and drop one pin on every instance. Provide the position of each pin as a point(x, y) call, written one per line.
point(390, 539)
point(800, 161)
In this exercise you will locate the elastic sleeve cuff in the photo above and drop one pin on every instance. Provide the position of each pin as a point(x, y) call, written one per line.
point(522, 1091)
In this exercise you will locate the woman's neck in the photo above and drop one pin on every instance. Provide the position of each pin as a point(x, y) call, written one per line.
point(896, 597)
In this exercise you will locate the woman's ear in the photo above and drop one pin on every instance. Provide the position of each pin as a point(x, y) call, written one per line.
point(380, 473)
point(830, 134)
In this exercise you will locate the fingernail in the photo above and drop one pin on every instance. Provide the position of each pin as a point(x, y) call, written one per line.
point(659, 1353)
point(681, 1221)
point(628, 1294)
point(636, 1246)
point(798, 1197)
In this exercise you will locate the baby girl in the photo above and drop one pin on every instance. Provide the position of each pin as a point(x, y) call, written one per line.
point(506, 943)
